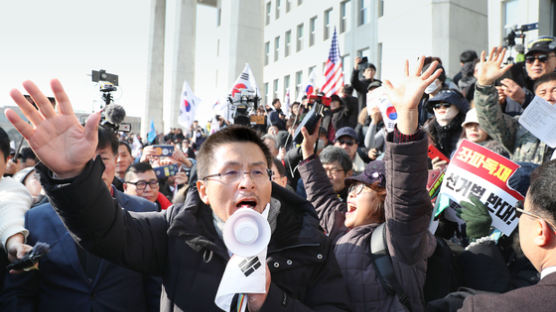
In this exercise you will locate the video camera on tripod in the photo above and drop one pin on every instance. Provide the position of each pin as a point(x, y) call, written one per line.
point(242, 105)
point(319, 105)
point(517, 32)
point(113, 114)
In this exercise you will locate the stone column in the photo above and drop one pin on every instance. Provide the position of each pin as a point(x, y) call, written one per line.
point(155, 69)
point(240, 38)
point(183, 59)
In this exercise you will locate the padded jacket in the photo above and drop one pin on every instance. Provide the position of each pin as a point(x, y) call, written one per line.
point(181, 245)
point(408, 212)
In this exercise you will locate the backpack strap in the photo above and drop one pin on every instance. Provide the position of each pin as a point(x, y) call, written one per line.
point(383, 265)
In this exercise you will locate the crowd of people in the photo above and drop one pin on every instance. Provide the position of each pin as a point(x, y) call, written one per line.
point(138, 226)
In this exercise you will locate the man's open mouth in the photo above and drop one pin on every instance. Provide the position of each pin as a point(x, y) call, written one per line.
point(247, 203)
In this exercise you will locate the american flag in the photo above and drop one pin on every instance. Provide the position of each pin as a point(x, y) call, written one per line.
point(333, 74)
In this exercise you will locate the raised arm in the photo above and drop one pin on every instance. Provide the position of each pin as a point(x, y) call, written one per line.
point(407, 207)
point(499, 126)
point(56, 137)
point(74, 185)
point(319, 189)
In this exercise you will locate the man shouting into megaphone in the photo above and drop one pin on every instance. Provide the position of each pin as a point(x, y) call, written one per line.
point(184, 244)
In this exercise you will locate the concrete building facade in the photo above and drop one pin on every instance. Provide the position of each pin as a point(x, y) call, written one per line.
point(284, 40)
point(506, 14)
point(442, 28)
point(297, 36)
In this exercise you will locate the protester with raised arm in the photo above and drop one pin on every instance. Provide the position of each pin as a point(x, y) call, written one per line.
point(184, 244)
point(522, 144)
point(391, 192)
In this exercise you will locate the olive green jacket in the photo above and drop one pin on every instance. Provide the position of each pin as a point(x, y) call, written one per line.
point(520, 143)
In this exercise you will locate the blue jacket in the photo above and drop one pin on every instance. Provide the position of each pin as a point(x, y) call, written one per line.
point(61, 283)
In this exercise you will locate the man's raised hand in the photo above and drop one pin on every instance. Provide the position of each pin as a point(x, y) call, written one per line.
point(490, 69)
point(407, 95)
point(56, 137)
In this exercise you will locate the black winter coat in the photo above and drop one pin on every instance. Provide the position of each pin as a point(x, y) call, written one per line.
point(182, 245)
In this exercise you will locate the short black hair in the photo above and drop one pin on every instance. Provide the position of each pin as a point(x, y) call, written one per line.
point(274, 101)
point(27, 153)
point(4, 144)
point(124, 143)
point(139, 167)
point(371, 66)
point(335, 97)
point(468, 56)
point(280, 167)
point(544, 78)
point(331, 154)
point(442, 76)
point(107, 137)
point(541, 192)
point(232, 134)
point(348, 89)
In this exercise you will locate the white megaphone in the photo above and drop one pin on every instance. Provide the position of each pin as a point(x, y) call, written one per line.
point(246, 232)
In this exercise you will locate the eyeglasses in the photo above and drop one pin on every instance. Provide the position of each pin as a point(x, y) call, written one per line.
point(346, 142)
point(543, 58)
point(358, 188)
point(438, 105)
point(142, 184)
point(232, 176)
point(519, 209)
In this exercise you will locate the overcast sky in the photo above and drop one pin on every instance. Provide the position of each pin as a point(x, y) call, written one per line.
point(66, 39)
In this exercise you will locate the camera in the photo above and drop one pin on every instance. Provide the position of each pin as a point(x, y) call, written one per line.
point(320, 104)
point(517, 32)
point(113, 114)
point(319, 98)
point(242, 105)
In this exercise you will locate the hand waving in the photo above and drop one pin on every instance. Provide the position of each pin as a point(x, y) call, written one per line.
point(407, 95)
point(490, 70)
point(56, 137)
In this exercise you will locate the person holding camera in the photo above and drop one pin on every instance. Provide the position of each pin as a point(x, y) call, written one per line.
point(369, 71)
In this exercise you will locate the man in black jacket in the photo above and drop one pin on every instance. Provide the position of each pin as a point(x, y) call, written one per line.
point(361, 85)
point(184, 243)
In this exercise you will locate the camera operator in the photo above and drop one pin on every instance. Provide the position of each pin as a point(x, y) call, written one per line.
point(361, 85)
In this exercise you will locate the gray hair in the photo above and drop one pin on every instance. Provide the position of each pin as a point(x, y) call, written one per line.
point(271, 137)
point(331, 154)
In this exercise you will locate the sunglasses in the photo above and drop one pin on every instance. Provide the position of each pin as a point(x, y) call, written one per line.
point(439, 105)
point(346, 142)
point(543, 58)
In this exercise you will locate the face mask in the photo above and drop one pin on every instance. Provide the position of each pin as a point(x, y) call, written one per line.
point(444, 119)
point(432, 87)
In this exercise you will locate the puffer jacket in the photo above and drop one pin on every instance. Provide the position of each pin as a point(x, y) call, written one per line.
point(407, 210)
point(522, 144)
point(182, 245)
